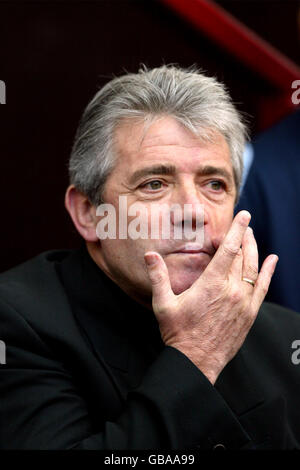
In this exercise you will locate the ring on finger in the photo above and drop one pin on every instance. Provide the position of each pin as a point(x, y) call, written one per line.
point(250, 281)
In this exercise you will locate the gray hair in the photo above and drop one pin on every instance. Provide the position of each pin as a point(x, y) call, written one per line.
point(200, 103)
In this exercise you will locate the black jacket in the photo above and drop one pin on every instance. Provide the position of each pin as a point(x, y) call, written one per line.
point(86, 368)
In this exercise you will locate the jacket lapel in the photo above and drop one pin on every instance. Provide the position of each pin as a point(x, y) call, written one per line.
point(122, 334)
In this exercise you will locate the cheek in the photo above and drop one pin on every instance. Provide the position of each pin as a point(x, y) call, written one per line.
point(226, 220)
point(220, 221)
point(126, 255)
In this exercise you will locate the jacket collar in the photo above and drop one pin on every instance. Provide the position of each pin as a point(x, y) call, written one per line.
point(114, 324)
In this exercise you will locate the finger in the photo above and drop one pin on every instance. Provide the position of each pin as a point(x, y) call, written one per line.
point(229, 248)
point(157, 270)
point(263, 281)
point(237, 266)
point(250, 256)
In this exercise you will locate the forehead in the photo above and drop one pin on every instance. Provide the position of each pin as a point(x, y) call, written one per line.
point(137, 143)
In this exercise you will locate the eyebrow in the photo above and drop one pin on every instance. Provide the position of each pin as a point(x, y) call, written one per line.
point(214, 170)
point(170, 170)
point(153, 170)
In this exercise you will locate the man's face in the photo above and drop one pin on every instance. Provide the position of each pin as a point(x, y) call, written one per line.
point(167, 164)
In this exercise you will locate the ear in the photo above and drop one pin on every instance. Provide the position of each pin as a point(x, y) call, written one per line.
point(82, 212)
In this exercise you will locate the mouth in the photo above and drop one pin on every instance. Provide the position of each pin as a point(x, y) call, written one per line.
point(191, 249)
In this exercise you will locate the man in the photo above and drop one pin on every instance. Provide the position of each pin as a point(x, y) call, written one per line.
point(276, 164)
point(151, 342)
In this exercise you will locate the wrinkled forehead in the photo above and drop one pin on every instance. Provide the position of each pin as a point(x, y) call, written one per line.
point(134, 138)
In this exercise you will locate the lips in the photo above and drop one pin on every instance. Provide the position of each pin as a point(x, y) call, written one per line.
point(191, 248)
point(190, 252)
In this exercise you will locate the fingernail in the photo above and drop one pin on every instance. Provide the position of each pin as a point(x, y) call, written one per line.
point(275, 259)
point(150, 260)
point(246, 216)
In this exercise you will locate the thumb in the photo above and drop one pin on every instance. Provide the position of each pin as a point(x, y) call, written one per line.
point(157, 270)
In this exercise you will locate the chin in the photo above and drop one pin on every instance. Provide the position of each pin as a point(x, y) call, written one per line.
point(184, 273)
point(183, 281)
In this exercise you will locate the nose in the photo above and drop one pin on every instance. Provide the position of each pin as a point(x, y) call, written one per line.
point(190, 204)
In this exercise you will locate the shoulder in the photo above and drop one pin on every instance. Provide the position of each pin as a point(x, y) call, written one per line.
point(32, 293)
point(269, 145)
point(32, 279)
point(28, 271)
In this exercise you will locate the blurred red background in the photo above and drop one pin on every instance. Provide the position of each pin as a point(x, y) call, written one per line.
point(53, 58)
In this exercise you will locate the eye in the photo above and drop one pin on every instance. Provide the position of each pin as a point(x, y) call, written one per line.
point(217, 185)
point(153, 185)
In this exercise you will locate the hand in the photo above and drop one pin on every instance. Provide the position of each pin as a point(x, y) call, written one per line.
point(209, 321)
